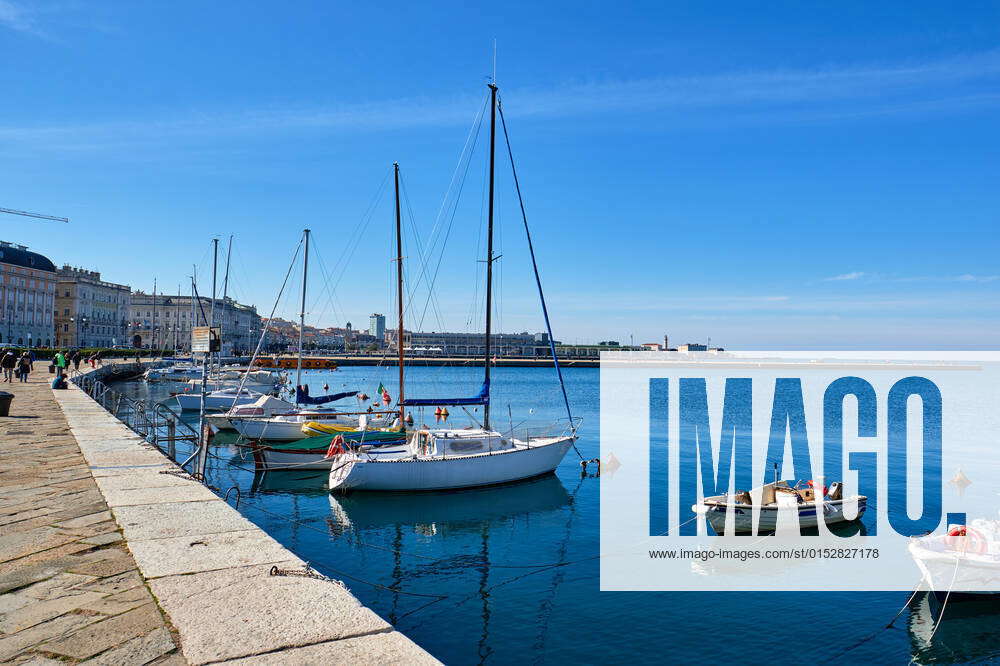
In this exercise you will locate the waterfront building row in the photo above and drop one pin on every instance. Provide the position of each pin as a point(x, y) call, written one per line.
point(45, 306)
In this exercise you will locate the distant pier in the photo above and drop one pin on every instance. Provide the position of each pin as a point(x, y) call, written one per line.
point(333, 361)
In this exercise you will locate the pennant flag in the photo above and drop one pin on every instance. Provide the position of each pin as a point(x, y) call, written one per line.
point(386, 399)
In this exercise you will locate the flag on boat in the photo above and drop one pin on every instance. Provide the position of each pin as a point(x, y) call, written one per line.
point(386, 399)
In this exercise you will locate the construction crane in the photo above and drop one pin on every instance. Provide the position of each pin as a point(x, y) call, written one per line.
point(38, 215)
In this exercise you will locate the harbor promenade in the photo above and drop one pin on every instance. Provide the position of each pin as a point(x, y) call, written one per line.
point(69, 588)
point(112, 554)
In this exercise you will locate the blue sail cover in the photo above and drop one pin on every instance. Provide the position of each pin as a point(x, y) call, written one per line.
point(302, 396)
point(482, 399)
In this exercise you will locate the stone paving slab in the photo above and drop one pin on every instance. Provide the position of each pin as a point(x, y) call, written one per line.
point(180, 519)
point(252, 617)
point(69, 590)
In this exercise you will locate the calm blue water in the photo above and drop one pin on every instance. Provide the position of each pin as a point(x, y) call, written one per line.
point(463, 573)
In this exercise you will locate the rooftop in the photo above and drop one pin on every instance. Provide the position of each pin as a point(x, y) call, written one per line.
point(19, 255)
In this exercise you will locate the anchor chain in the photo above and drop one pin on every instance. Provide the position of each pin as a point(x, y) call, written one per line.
point(306, 573)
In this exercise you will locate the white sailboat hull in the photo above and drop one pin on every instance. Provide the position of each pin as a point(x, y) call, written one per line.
point(192, 401)
point(356, 472)
point(271, 459)
point(288, 429)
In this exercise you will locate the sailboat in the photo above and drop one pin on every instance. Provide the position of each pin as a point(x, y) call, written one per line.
point(448, 458)
point(285, 427)
point(366, 430)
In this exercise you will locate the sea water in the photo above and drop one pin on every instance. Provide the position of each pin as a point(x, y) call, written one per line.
point(510, 573)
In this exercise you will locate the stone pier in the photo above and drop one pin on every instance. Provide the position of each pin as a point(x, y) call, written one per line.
point(111, 554)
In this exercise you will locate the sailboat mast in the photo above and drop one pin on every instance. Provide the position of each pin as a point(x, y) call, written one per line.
point(399, 292)
point(225, 288)
point(152, 342)
point(302, 317)
point(489, 249)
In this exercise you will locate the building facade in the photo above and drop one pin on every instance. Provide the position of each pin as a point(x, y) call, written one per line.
point(90, 312)
point(166, 321)
point(27, 297)
point(376, 327)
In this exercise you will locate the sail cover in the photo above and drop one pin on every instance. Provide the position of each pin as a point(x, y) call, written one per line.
point(482, 399)
point(302, 396)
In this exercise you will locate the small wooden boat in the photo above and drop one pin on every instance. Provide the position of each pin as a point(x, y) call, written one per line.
point(777, 498)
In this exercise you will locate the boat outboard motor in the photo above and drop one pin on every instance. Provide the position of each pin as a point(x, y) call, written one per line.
point(836, 491)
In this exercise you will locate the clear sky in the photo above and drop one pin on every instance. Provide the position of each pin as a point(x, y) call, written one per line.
point(781, 175)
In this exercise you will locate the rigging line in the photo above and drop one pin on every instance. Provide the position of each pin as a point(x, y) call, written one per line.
point(420, 251)
point(355, 239)
point(474, 133)
point(472, 136)
point(538, 279)
point(484, 202)
point(435, 305)
point(277, 300)
point(332, 301)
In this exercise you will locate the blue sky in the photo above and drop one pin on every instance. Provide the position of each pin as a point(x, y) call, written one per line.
point(788, 177)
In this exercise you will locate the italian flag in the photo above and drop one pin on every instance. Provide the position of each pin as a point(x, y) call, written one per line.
point(386, 399)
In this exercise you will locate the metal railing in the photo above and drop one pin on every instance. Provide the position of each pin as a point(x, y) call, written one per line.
point(155, 422)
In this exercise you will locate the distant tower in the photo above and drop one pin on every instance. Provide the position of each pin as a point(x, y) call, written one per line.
point(376, 327)
point(666, 342)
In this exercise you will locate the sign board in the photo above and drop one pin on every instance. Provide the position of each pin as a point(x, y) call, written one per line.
point(206, 339)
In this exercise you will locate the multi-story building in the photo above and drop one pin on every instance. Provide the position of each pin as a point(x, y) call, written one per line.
point(90, 312)
point(376, 327)
point(471, 344)
point(27, 296)
point(166, 321)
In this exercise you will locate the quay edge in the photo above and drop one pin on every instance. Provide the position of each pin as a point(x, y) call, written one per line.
point(208, 566)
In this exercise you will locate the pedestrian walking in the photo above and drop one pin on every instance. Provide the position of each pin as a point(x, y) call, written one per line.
point(76, 357)
point(24, 367)
point(7, 362)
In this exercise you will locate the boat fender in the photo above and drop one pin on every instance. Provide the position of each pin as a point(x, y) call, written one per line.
point(336, 447)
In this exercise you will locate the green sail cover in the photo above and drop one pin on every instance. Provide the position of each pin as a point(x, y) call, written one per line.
point(356, 437)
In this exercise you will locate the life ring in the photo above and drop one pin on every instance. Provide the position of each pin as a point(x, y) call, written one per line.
point(966, 539)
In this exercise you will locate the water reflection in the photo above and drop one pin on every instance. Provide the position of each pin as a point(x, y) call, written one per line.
point(454, 511)
point(968, 630)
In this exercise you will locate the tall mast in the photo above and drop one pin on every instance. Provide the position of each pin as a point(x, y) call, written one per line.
point(225, 287)
point(215, 273)
point(302, 317)
point(152, 344)
point(489, 249)
point(399, 292)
